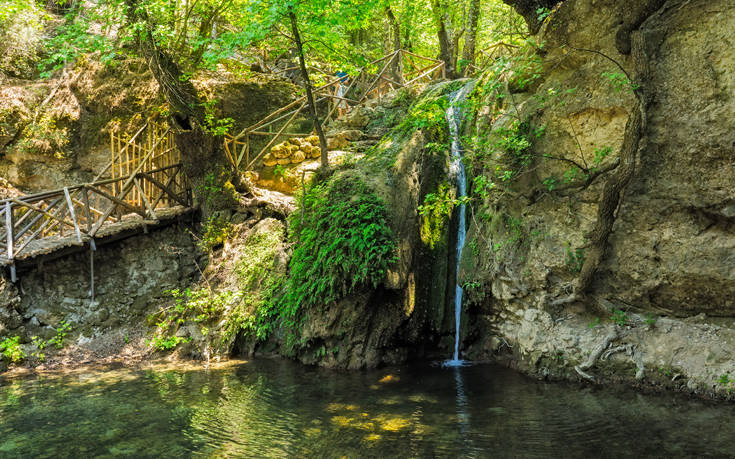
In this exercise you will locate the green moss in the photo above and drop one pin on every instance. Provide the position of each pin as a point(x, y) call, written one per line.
point(221, 312)
point(259, 278)
point(215, 232)
point(435, 215)
point(429, 115)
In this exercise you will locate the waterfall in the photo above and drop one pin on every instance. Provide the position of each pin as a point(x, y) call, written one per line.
point(457, 171)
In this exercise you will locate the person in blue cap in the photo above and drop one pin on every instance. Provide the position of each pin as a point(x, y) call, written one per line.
point(341, 91)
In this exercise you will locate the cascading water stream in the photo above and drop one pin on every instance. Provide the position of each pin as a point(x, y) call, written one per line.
point(457, 171)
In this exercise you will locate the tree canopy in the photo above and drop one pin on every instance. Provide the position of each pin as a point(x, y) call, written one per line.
point(344, 34)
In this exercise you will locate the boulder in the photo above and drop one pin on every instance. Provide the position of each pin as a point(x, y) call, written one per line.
point(298, 157)
point(358, 118)
point(281, 150)
point(270, 160)
point(337, 142)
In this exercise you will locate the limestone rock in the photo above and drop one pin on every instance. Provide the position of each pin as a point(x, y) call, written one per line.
point(298, 157)
point(358, 118)
point(337, 142)
point(282, 150)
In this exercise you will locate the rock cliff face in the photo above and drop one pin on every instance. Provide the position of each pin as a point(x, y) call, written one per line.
point(666, 274)
point(54, 132)
point(406, 315)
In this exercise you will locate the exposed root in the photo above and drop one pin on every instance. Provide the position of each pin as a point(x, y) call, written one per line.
point(581, 373)
point(603, 351)
point(564, 300)
point(596, 353)
point(640, 368)
point(622, 348)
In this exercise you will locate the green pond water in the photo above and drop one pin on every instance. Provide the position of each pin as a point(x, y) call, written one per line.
point(276, 408)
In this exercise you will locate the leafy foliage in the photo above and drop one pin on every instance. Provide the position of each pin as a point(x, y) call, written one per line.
point(619, 81)
point(61, 331)
point(259, 279)
point(575, 258)
point(435, 212)
point(216, 191)
point(195, 305)
point(345, 244)
point(429, 115)
point(218, 127)
point(21, 33)
point(11, 350)
point(619, 317)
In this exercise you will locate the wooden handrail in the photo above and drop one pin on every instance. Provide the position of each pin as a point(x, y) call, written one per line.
point(363, 82)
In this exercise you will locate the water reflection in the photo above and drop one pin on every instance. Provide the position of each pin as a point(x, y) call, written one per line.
point(463, 416)
point(279, 409)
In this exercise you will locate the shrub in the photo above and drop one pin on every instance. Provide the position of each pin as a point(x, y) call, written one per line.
point(435, 214)
point(198, 306)
point(620, 317)
point(11, 350)
point(21, 33)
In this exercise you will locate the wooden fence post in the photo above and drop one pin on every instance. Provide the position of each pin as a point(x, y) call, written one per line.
point(9, 228)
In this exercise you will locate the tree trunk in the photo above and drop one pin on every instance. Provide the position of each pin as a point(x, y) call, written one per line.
point(397, 66)
point(202, 160)
point(529, 10)
point(408, 28)
point(468, 53)
point(309, 91)
point(446, 53)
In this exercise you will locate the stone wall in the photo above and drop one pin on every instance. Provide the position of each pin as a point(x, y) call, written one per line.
point(130, 276)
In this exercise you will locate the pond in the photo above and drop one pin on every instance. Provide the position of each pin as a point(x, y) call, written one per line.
point(277, 408)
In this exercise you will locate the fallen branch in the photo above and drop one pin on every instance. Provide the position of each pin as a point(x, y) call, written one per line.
point(50, 96)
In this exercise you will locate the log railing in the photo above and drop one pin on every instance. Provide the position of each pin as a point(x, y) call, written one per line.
point(366, 84)
point(485, 57)
point(140, 183)
point(80, 211)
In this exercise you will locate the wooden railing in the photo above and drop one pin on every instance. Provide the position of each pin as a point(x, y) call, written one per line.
point(487, 56)
point(139, 184)
point(413, 69)
point(81, 211)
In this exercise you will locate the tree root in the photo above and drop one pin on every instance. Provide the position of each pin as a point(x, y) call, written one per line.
point(603, 351)
point(628, 348)
point(596, 353)
point(614, 188)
